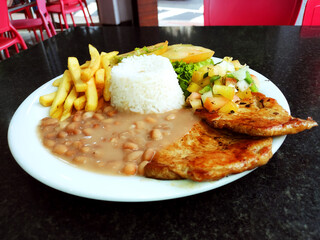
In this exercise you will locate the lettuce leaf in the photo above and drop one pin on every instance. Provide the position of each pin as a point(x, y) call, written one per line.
point(185, 71)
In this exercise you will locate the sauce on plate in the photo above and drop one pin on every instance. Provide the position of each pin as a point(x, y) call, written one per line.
point(114, 142)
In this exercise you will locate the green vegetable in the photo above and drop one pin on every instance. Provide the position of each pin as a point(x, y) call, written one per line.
point(214, 78)
point(230, 75)
point(205, 89)
point(185, 71)
point(250, 81)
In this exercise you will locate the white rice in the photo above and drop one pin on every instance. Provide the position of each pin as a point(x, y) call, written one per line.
point(145, 84)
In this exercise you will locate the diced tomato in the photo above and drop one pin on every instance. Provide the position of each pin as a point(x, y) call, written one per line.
point(232, 81)
point(214, 103)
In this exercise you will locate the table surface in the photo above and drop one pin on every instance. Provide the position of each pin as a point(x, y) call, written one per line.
point(280, 200)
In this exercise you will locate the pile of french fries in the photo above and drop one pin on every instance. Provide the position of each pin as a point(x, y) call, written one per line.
point(82, 87)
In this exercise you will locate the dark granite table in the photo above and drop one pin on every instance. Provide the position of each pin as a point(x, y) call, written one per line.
point(278, 201)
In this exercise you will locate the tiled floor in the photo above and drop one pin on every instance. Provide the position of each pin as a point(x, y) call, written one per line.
point(180, 12)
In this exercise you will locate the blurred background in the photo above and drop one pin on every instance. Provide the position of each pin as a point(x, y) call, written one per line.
point(150, 13)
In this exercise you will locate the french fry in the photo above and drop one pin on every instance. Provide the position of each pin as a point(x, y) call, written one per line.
point(85, 65)
point(62, 93)
point(74, 68)
point(56, 82)
point(107, 61)
point(46, 100)
point(112, 57)
point(99, 77)
point(58, 112)
point(106, 91)
point(68, 104)
point(88, 73)
point(84, 87)
point(80, 103)
point(92, 96)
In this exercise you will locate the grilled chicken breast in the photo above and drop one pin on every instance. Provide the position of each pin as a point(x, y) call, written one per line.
point(258, 116)
point(209, 154)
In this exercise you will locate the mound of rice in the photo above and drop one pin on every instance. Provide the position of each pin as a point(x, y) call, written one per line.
point(145, 84)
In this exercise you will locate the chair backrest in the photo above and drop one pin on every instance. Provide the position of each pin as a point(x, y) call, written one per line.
point(4, 18)
point(251, 12)
point(42, 6)
point(311, 15)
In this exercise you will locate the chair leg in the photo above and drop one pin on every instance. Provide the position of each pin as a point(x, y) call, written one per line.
point(74, 24)
point(21, 41)
point(16, 47)
point(48, 30)
point(85, 17)
point(53, 31)
point(6, 51)
point(41, 33)
point(61, 26)
point(36, 35)
point(85, 3)
point(65, 21)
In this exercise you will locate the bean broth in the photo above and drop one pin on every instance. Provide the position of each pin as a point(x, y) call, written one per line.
point(114, 142)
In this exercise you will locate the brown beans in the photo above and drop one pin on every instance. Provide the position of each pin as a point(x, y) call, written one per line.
point(141, 167)
point(80, 159)
point(134, 156)
point(49, 121)
point(112, 141)
point(98, 116)
point(70, 153)
point(62, 134)
point(156, 134)
point(129, 169)
point(140, 125)
point(85, 149)
point(87, 115)
point(77, 144)
point(148, 154)
point(150, 120)
point(130, 145)
point(87, 131)
point(49, 143)
point(72, 127)
point(51, 135)
point(60, 149)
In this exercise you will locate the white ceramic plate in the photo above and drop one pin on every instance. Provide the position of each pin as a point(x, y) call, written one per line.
point(36, 160)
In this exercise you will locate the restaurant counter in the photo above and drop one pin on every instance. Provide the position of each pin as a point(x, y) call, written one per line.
point(280, 200)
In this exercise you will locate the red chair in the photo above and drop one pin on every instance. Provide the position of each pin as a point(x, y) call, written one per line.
point(42, 21)
point(71, 2)
point(311, 15)
point(249, 12)
point(8, 34)
point(64, 8)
